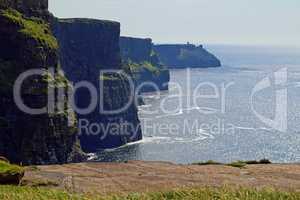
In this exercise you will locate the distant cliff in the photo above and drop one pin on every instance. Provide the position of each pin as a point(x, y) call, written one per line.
point(186, 55)
point(143, 62)
point(27, 43)
point(88, 46)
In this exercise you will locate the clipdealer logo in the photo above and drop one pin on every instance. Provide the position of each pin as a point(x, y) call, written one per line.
point(279, 82)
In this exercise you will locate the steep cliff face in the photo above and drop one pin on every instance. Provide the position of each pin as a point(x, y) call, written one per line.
point(136, 49)
point(49, 137)
point(186, 55)
point(88, 47)
point(145, 65)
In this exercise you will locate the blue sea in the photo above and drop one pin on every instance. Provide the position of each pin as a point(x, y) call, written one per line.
point(248, 109)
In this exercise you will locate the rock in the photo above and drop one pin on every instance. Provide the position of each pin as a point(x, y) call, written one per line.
point(139, 56)
point(136, 49)
point(88, 46)
point(186, 56)
point(48, 138)
point(10, 174)
point(4, 159)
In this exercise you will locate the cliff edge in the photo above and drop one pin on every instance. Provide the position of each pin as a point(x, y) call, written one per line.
point(186, 56)
point(138, 55)
point(27, 43)
point(88, 47)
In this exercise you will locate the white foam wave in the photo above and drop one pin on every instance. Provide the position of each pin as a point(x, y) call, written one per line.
point(149, 140)
point(253, 129)
point(145, 106)
point(244, 128)
point(180, 112)
point(91, 156)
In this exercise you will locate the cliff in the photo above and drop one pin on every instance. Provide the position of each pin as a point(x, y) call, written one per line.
point(186, 56)
point(27, 43)
point(28, 7)
point(145, 65)
point(87, 47)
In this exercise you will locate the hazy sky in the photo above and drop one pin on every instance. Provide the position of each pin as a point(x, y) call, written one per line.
point(200, 21)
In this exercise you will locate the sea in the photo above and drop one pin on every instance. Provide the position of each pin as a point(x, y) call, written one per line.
point(248, 109)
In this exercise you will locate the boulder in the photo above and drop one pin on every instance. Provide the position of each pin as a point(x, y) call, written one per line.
point(10, 174)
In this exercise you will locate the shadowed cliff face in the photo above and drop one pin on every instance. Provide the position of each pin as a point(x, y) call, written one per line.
point(139, 56)
point(185, 56)
point(87, 47)
point(136, 49)
point(48, 138)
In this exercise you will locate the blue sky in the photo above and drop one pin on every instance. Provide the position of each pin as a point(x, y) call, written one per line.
point(256, 22)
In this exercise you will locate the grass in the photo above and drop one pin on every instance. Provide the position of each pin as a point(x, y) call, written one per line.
point(238, 164)
point(57, 80)
point(138, 67)
point(6, 168)
point(27, 29)
point(241, 164)
point(30, 193)
point(32, 27)
point(254, 162)
point(150, 67)
point(225, 193)
point(110, 77)
point(210, 162)
point(214, 194)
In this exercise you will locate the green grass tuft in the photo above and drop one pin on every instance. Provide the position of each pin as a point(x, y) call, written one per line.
point(6, 168)
point(238, 164)
point(242, 164)
point(32, 27)
point(111, 77)
point(139, 67)
point(254, 162)
point(209, 162)
point(150, 67)
point(30, 193)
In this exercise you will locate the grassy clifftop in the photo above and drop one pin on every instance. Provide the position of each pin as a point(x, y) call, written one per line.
point(151, 180)
point(29, 193)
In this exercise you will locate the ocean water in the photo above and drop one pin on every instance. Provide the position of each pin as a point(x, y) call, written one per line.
point(247, 109)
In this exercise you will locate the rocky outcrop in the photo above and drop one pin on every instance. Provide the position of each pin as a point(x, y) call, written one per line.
point(186, 56)
point(10, 174)
point(87, 47)
point(27, 43)
point(145, 65)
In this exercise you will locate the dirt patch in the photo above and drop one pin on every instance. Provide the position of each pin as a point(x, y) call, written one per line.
point(140, 176)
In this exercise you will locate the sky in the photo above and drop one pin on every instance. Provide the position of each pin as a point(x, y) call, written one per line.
point(249, 22)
